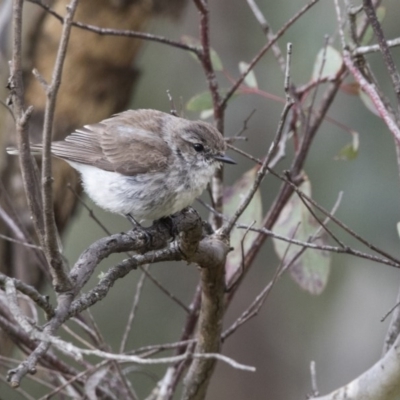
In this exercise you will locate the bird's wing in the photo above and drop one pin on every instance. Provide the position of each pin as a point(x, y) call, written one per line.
point(128, 143)
point(132, 142)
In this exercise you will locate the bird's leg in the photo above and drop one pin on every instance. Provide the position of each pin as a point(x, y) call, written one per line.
point(138, 227)
point(133, 221)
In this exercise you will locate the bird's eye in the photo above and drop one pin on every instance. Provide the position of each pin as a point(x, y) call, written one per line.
point(198, 147)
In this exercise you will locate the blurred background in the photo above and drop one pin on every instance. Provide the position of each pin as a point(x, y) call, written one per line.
point(341, 330)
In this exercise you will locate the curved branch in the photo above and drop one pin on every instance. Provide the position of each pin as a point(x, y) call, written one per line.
point(381, 381)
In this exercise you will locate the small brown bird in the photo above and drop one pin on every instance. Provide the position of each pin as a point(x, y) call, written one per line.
point(145, 164)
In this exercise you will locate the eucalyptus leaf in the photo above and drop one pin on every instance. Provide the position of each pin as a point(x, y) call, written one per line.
point(329, 60)
point(311, 269)
point(215, 58)
point(200, 102)
point(350, 151)
point(203, 101)
point(250, 79)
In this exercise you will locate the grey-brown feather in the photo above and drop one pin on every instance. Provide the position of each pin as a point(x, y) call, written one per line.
point(101, 144)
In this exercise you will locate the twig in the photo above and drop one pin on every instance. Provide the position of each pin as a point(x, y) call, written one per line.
point(368, 87)
point(337, 221)
point(163, 289)
point(243, 153)
point(322, 223)
point(41, 80)
point(260, 299)
point(334, 249)
point(205, 59)
point(387, 57)
point(244, 128)
point(61, 281)
point(267, 32)
point(258, 302)
point(27, 163)
point(42, 301)
point(20, 338)
point(9, 109)
point(187, 332)
point(21, 242)
point(89, 210)
point(132, 314)
point(73, 379)
point(382, 106)
point(74, 351)
point(120, 32)
point(20, 231)
point(226, 229)
point(261, 53)
point(374, 48)
point(145, 351)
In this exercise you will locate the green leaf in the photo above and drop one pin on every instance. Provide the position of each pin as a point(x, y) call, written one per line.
point(250, 79)
point(200, 102)
point(215, 59)
point(203, 101)
point(311, 269)
point(330, 60)
point(350, 151)
point(232, 198)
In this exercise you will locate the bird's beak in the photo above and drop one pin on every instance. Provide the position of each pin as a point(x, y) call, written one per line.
point(224, 158)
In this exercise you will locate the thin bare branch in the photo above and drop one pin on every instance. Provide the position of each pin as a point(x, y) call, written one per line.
point(266, 28)
point(374, 48)
point(261, 53)
point(132, 314)
point(58, 268)
point(151, 361)
point(42, 301)
point(226, 229)
point(333, 249)
point(120, 32)
point(27, 163)
point(338, 222)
